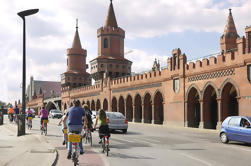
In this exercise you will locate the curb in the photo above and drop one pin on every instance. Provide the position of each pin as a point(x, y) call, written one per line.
point(56, 159)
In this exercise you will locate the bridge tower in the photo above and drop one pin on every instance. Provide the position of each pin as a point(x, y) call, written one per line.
point(76, 74)
point(110, 58)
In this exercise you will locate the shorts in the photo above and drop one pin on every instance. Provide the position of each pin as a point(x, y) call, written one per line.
point(104, 130)
point(43, 119)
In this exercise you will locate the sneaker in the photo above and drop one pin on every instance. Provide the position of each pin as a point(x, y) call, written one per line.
point(82, 152)
point(63, 142)
point(69, 155)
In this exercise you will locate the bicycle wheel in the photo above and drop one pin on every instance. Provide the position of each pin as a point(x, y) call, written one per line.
point(90, 139)
point(103, 144)
point(45, 129)
point(107, 149)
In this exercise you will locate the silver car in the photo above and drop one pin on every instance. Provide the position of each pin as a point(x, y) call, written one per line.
point(116, 121)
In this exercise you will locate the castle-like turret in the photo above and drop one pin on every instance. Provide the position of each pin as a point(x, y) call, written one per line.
point(228, 39)
point(76, 74)
point(110, 58)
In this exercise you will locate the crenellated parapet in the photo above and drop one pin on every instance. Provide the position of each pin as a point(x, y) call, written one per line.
point(111, 30)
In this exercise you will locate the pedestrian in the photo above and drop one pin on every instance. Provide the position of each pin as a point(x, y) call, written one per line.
point(76, 119)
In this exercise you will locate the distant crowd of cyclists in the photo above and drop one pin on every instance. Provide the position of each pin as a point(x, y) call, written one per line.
point(75, 119)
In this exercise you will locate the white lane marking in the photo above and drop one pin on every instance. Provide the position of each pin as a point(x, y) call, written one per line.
point(197, 159)
point(151, 140)
point(238, 148)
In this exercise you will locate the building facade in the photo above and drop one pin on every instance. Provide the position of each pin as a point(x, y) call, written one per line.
point(43, 93)
point(197, 94)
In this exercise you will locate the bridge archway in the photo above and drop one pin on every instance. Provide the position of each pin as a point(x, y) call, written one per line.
point(93, 105)
point(50, 106)
point(98, 105)
point(105, 105)
point(114, 104)
point(121, 105)
point(230, 106)
point(129, 108)
point(88, 103)
point(147, 108)
point(193, 108)
point(210, 108)
point(138, 108)
point(158, 108)
point(65, 107)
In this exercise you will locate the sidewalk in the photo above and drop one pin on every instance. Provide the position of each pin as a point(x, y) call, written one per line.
point(28, 150)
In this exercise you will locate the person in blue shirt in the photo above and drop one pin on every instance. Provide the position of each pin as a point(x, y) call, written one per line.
point(16, 109)
point(76, 119)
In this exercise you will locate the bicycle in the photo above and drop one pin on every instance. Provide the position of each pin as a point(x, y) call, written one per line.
point(29, 123)
point(66, 138)
point(105, 143)
point(44, 127)
point(88, 136)
point(75, 138)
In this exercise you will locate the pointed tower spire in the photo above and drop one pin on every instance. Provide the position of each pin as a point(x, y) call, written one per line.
point(228, 39)
point(230, 27)
point(76, 41)
point(111, 19)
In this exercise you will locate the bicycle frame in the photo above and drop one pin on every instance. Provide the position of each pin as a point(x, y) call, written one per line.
point(105, 144)
point(75, 139)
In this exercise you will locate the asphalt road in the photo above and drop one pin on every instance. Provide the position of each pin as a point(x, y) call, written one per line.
point(148, 145)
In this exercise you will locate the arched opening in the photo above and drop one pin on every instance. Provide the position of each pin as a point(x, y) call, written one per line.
point(88, 103)
point(121, 105)
point(114, 104)
point(158, 108)
point(71, 105)
point(229, 102)
point(50, 106)
point(105, 105)
point(138, 108)
point(210, 108)
point(129, 108)
point(147, 108)
point(98, 105)
point(93, 105)
point(193, 108)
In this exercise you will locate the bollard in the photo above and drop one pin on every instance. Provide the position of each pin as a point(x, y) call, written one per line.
point(1, 117)
point(21, 125)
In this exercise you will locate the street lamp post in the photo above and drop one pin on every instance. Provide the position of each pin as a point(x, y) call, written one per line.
point(21, 120)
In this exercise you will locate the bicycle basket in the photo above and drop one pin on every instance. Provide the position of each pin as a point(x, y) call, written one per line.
point(29, 118)
point(65, 131)
point(74, 138)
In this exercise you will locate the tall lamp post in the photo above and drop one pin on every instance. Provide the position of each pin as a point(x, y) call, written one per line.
point(21, 120)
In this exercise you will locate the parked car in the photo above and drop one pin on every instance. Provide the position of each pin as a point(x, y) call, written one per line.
point(236, 128)
point(55, 114)
point(116, 121)
point(33, 112)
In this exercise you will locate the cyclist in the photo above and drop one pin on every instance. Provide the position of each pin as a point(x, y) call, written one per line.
point(62, 124)
point(29, 114)
point(44, 115)
point(11, 113)
point(89, 118)
point(103, 126)
point(76, 117)
point(16, 109)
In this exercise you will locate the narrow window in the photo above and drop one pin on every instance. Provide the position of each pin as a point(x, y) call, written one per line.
point(105, 43)
point(249, 73)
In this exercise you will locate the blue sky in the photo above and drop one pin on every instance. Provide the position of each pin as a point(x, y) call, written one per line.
point(153, 28)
